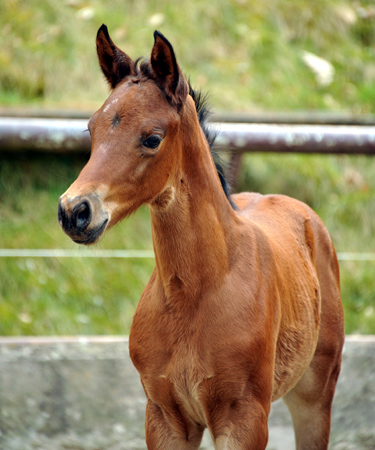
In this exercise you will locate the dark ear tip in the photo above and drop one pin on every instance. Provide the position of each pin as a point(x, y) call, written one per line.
point(157, 34)
point(103, 29)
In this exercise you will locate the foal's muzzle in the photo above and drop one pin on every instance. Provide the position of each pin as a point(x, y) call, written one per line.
point(82, 218)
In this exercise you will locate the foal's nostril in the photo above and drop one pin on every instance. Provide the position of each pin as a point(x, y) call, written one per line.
point(75, 221)
point(82, 215)
point(62, 216)
point(60, 213)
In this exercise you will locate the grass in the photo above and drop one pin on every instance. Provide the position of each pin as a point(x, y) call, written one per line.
point(70, 296)
point(249, 56)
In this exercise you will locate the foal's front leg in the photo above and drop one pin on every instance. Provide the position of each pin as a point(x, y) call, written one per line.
point(168, 430)
point(245, 427)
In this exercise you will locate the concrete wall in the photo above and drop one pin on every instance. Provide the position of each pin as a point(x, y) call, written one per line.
point(84, 394)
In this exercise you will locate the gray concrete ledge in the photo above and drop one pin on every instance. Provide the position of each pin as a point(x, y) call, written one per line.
point(82, 393)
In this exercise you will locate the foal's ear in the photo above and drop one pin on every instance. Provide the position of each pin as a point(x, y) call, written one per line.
point(167, 73)
point(115, 64)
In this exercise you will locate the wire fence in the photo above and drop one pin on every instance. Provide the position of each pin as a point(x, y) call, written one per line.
point(86, 253)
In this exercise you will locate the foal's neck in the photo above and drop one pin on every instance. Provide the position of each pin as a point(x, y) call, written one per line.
point(192, 221)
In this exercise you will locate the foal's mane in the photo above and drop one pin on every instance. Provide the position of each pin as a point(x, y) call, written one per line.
point(142, 70)
point(204, 111)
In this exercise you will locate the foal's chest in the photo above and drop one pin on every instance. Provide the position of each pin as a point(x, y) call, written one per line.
point(174, 379)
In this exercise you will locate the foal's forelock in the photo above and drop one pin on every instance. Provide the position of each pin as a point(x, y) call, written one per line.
point(142, 69)
point(144, 72)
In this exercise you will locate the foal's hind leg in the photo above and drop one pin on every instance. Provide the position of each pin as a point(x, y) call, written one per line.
point(170, 432)
point(310, 401)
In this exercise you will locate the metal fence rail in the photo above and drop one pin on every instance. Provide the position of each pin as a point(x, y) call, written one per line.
point(290, 117)
point(68, 135)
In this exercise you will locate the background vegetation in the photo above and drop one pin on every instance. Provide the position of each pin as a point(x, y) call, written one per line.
point(250, 56)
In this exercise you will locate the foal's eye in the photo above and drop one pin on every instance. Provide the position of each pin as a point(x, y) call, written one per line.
point(152, 142)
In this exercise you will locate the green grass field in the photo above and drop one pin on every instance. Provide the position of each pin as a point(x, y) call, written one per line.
point(249, 56)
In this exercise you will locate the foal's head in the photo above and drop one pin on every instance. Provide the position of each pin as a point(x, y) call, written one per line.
point(135, 139)
point(132, 136)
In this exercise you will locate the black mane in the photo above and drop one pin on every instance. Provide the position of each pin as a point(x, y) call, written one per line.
point(204, 112)
point(142, 69)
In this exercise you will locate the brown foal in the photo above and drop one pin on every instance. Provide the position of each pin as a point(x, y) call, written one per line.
point(243, 306)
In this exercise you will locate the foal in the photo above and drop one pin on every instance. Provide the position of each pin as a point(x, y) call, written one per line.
point(243, 306)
